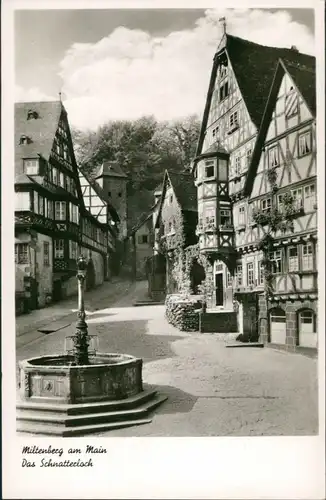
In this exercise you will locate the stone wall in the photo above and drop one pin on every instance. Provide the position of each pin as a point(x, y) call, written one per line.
point(219, 322)
point(98, 262)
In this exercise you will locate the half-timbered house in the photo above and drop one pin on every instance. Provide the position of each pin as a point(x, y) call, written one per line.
point(52, 224)
point(238, 123)
point(176, 221)
point(99, 205)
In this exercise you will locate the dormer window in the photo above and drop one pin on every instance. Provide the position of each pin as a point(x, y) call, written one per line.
point(31, 166)
point(32, 115)
point(24, 140)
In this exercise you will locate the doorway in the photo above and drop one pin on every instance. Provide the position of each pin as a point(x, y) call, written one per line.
point(219, 289)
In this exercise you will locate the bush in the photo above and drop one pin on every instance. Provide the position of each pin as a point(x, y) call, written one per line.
point(182, 313)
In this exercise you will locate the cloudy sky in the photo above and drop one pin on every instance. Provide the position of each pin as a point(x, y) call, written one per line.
point(112, 64)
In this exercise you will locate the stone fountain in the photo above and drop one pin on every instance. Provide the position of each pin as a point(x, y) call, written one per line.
point(82, 391)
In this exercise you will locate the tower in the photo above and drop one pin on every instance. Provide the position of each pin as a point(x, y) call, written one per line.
point(114, 182)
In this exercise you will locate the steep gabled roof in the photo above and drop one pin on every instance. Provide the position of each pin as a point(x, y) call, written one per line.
point(305, 80)
point(184, 189)
point(40, 131)
point(254, 67)
point(109, 169)
point(141, 221)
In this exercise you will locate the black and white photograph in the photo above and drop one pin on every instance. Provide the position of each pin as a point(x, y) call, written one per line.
point(166, 199)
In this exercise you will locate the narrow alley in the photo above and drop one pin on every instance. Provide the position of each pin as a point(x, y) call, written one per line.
point(212, 391)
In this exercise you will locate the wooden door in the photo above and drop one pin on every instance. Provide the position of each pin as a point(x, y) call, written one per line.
point(219, 289)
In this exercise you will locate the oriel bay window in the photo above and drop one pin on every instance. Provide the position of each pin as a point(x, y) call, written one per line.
point(60, 210)
point(59, 249)
point(297, 198)
point(225, 217)
point(209, 169)
point(210, 212)
point(307, 257)
point(293, 256)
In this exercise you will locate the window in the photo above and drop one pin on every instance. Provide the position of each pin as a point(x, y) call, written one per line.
point(297, 198)
point(24, 140)
point(109, 193)
point(293, 259)
point(233, 120)
point(248, 157)
point(209, 169)
point(142, 239)
point(237, 167)
point(228, 279)
point(73, 250)
point(21, 253)
point(35, 202)
point(120, 194)
point(55, 176)
point(41, 205)
point(224, 91)
point(307, 257)
point(215, 133)
point(60, 210)
point(250, 274)
point(50, 209)
point(265, 205)
point(59, 249)
point(61, 179)
point(46, 253)
point(261, 270)
point(22, 201)
point(223, 71)
point(31, 167)
point(225, 217)
point(239, 275)
point(307, 317)
point(291, 103)
point(305, 143)
point(32, 114)
point(171, 199)
point(309, 197)
point(74, 215)
point(242, 217)
point(277, 261)
point(210, 215)
point(273, 157)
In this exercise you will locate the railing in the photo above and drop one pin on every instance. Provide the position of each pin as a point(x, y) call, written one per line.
point(226, 227)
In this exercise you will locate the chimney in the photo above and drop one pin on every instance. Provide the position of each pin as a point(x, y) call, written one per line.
point(294, 48)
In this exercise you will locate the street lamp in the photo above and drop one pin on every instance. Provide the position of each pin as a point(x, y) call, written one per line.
point(81, 339)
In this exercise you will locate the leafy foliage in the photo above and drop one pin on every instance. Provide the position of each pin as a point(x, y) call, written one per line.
point(144, 148)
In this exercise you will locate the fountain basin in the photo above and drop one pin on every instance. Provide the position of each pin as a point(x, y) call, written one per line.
point(54, 379)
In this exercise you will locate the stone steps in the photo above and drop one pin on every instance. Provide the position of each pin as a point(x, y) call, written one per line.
point(93, 417)
point(87, 408)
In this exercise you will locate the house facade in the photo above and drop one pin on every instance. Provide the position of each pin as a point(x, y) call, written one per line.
point(99, 206)
point(52, 225)
point(256, 155)
point(140, 242)
point(175, 226)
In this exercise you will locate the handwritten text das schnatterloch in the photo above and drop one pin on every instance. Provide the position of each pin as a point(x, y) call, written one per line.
point(51, 451)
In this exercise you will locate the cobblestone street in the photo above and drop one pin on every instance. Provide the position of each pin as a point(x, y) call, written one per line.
point(212, 390)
